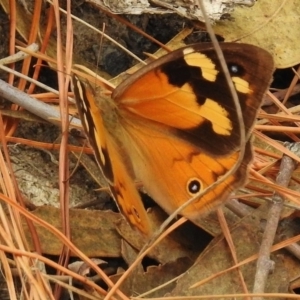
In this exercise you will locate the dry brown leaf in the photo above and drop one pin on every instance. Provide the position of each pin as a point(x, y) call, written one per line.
point(179, 244)
point(216, 257)
point(140, 281)
point(93, 232)
point(271, 25)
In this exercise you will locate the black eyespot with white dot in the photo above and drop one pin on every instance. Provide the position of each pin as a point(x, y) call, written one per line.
point(236, 69)
point(194, 186)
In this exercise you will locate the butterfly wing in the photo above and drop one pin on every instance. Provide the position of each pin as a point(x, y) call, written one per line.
point(109, 157)
point(187, 93)
point(182, 125)
point(174, 171)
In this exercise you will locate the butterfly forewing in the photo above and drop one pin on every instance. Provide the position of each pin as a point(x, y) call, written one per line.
point(186, 92)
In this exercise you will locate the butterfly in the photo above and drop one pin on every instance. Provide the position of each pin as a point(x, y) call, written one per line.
point(173, 125)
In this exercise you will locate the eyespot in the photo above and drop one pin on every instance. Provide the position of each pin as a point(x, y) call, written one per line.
point(235, 69)
point(194, 186)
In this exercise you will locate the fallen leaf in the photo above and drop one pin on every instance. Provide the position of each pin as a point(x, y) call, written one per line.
point(217, 257)
point(140, 281)
point(270, 25)
point(93, 232)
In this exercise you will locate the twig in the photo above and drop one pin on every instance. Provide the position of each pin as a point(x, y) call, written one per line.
point(43, 110)
point(264, 263)
point(294, 249)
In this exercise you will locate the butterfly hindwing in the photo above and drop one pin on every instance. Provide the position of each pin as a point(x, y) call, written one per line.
point(108, 156)
point(173, 169)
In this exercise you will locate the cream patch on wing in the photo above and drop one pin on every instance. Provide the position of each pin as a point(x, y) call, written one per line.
point(217, 115)
point(209, 110)
point(99, 147)
point(241, 85)
point(198, 59)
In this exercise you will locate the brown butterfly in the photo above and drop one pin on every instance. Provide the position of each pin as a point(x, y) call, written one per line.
point(173, 126)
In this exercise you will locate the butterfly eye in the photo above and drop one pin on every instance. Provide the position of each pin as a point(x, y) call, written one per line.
point(193, 186)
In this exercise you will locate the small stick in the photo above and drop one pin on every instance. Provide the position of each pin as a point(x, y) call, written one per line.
point(264, 263)
point(43, 110)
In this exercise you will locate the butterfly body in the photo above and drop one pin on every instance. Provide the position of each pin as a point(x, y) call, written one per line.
point(174, 126)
